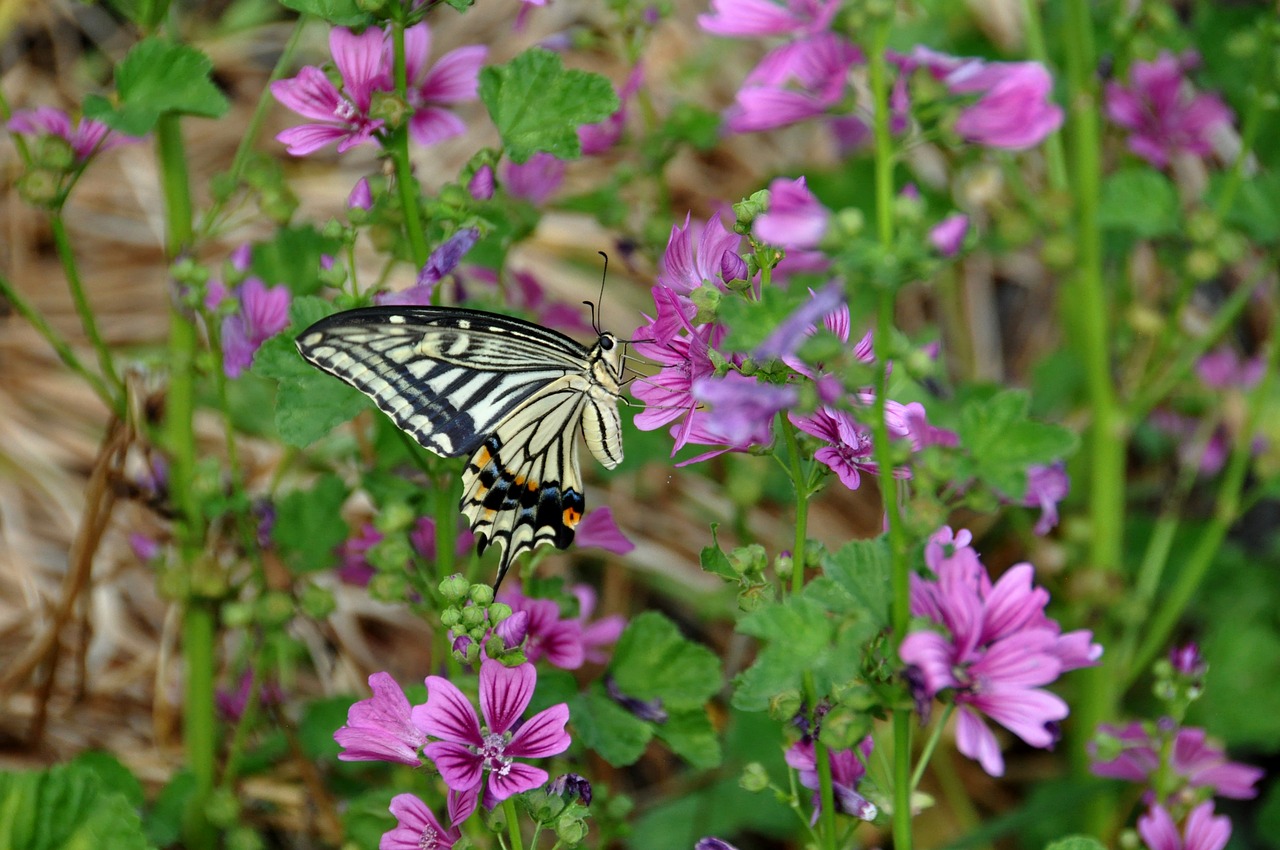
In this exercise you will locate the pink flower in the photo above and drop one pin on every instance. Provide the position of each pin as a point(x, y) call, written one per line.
point(381, 728)
point(794, 219)
point(850, 451)
point(231, 704)
point(546, 635)
point(598, 138)
point(596, 634)
point(1163, 113)
point(416, 827)
point(1047, 485)
point(847, 769)
point(683, 355)
point(482, 183)
point(263, 313)
point(361, 197)
point(1013, 111)
point(340, 116)
point(1201, 831)
point(534, 181)
point(85, 138)
point(598, 529)
point(754, 18)
point(798, 80)
point(355, 567)
point(453, 79)
point(998, 651)
point(1223, 369)
point(684, 269)
point(742, 408)
point(423, 539)
point(465, 751)
point(1193, 761)
point(947, 236)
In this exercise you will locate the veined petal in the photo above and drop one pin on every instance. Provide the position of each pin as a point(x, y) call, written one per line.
point(521, 777)
point(462, 803)
point(933, 653)
point(417, 50)
point(761, 108)
point(505, 693)
point(1023, 711)
point(542, 735)
point(1023, 660)
point(447, 714)
point(676, 269)
point(459, 767)
point(309, 138)
point(1158, 830)
point(1013, 603)
point(456, 76)
point(359, 59)
point(976, 741)
point(310, 94)
point(431, 124)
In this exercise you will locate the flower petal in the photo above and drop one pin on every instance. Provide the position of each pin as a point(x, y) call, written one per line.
point(460, 768)
point(521, 777)
point(447, 714)
point(505, 693)
point(542, 735)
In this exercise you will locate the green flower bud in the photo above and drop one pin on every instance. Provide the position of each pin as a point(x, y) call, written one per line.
point(390, 554)
point(783, 566)
point(571, 831)
point(454, 588)
point(389, 587)
point(317, 602)
point(450, 617)
point(754, 778)
point(499, 611)
point(481, 594)
point(39, 188)
point(391, 108)
point(55, 154)
point(395, 517)
point(747, 209)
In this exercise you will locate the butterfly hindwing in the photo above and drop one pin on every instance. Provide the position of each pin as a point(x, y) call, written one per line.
point(511, 394)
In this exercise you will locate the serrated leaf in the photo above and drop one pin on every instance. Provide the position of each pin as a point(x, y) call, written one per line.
point(1004, 442)
point(308, 527)
point(616, 735)
point(691, 736)
point(861, 569)
point(537, 104)
point(113, 775)
point(1140, 201)
point(797, 634)
point(155, 78)
point(66, 807)
point(652, 659)
point(341, 13)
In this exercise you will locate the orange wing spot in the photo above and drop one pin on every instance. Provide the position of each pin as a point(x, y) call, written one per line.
point(571, 518)
point(519, 480)
point(533, 485)
point(482, 458)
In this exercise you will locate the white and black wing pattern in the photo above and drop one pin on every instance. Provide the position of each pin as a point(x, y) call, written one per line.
point(511, 394)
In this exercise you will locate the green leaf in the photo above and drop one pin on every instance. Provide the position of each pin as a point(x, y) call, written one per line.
point(164, 821)
point(1004, 442)
point(293, 258)
point(617, 735)
point(1075, 842)
point(340, 13)
point(691, 736)
point(309, 526)
point(320, 719)
point(113, 775)
point(145, 15)
point(309, 403)
point(796, 635)
point(538, 105)
point(652, 659)
point(714, 560)
point(861, 568)
point(156, 78)
point(66, 807)
point(1140, 201)
point(750, 322)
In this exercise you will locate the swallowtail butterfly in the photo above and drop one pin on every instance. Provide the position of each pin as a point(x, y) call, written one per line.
point(512, 395)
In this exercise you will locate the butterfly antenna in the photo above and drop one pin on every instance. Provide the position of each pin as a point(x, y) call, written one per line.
point(595, 325)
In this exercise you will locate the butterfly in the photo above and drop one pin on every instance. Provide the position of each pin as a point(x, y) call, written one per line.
point(511, 394)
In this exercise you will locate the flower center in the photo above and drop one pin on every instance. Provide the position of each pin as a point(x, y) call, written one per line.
point(345, 111)
point(494, 755)
point(430, 840)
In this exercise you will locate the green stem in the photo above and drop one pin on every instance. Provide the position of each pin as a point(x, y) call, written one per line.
point(60, 346)
point(900, 569)
point(87, 320)
point(513, 824)
point(1174, 605)
point(399, 145)
point(927, 753)
point(199, 627)
point(800, 482)
point(1055, 158)
point(1106, 438)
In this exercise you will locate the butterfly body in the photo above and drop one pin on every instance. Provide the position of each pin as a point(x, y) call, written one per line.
point(512, 395)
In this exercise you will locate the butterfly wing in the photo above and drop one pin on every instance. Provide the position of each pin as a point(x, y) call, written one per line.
point(446, 376)
point(523, 486)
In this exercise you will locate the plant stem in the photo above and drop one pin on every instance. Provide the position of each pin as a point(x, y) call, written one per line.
point(399, 146)
point(87, 319)
point(800, 482)
point(900, 569)
point(1055, 159)
point(60, 346)
point(1088, 306)
point(513, 824)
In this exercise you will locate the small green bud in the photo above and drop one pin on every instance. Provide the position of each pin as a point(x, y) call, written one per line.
point(390, 554)
point(237, 615)
point(274, 608)
point(754, 778)
point(785, 706)
point(55, 154)
point(494, 647)
point(747, 209)
point(391, 108)
point(317, 602)
point(748, 560)
point(783, 566)
point(389, 587)
point(473, 617)
point(39, 188)
point(454, 588)
point(571, 831)
point(499, 611)
point(481, 594)
point(450, 617)
point(395, 517)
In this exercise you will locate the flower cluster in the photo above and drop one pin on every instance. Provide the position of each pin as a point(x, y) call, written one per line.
point(474, 754)
point(997, 652)
point(364, 63)
point(84, 137)
point(566, 643)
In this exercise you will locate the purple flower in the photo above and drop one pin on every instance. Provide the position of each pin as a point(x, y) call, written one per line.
point(465, 750)
point(921, 433)
point(947, 236)
point(1187, 660)
point(355, 567)
point(998, 651)
point(598, 138)
point(794, 219)
point(850, 452)
point(1013, 111)
point(598, 529)
point(144, 548)
point(683, 355)
point(847, 769)
point(598, 634)
point(1223, 369)
point(416, 827)
point(1193, 761)
point(534, 181)
point(423, 539)
point(453, 79)
point(340, 116)
point(1046, 486)
point(381, 728)
point(754, 18)
point(1163, 113)
point(263, 313)
point(547, 636)
point(1201, 831)
point(361, 197)
point(683, 269)
point(742, 408)
point(798, 80)
point(571, 786)
point(85, 137)
point(481, 183)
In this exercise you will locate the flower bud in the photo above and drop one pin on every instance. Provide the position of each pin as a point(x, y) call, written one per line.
point(754, 778)
point(454, 588)
point(571, 830)
point(481, 183)
point(39, 187)
point(473, 616)
point(391, 108)
point(481, 594)
point(317, 602)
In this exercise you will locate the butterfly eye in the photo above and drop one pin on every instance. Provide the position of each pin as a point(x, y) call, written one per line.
point(606, 342)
